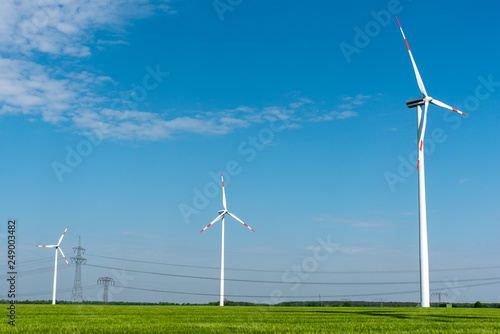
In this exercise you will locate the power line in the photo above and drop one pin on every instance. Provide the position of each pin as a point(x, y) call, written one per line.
point(264, 296)
point(36, 271)
point(47, 292)
point(315, 296)
point(46, 259)
point(285, 282)
point(250, 296)
point(252, 270)
point(29, 262)
point(281, 271)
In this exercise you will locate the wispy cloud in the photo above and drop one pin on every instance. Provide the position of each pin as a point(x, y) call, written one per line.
point(133, 124)
point(64, 27)
point(72, 101)
point(354, 222)
point(341, 250)
point(75, 100)
point(350, 101)
point(407, 213)
point(345, 109)
point(140, 234)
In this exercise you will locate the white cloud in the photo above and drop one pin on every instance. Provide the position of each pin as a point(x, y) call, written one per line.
point(112, 42)
point(140, 234)
point(66, 29)
point(28, 88)
point(351, 101)
point(341, 250)
point(354, 222)
point(300, 102)
point(332, 115)
point(70, 100)
point(345, 114)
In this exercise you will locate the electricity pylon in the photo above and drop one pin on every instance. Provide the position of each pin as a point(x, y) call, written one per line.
point(106, 281)
point(77, 295)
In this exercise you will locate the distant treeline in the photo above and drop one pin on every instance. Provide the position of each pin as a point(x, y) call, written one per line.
point(291, 304)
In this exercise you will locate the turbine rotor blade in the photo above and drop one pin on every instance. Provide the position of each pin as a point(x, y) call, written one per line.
point(213, 221)
point(417, 73)
point(46, 246)
point(421, 133)
point(223, 192)
point(229, 213)
point(444, 105)
point(62, 236)
point(60, 250)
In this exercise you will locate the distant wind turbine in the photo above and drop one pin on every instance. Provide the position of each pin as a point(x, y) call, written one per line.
point(421, 124)
point(222, 213)
point(55, 264)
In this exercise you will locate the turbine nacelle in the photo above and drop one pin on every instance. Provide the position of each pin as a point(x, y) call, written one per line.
point(419, 101)
point(221, 211)
point(415, 102)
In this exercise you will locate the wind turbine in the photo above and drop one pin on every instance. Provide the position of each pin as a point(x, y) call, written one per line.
point(222, 213)
point(421, 124)
point(55, 264)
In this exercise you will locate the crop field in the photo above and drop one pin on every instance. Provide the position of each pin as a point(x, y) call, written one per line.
point(239, 319)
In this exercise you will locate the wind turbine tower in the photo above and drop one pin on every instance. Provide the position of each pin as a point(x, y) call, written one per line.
point(424, 101)
point(78, 260)
point(222, 214)
point(57, 248)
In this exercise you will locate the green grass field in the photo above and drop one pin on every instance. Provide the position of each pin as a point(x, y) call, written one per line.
point(238, 319)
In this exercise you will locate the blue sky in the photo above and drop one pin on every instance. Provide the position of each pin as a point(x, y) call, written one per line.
point(116, 115)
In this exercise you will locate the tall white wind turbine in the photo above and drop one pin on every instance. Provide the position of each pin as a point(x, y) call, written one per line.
point(421, 123)
point(57, 247)
point(222, 213)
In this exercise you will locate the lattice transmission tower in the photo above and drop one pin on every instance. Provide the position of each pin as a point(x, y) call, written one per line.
point(106, 281)
point(77, 295)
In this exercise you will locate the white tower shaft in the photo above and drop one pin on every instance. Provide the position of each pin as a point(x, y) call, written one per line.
point(422, 212)
point(55, 280)
point(222, 267)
